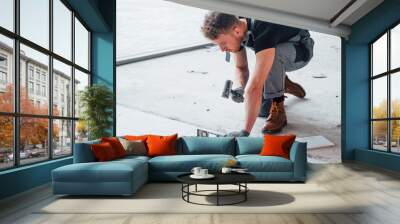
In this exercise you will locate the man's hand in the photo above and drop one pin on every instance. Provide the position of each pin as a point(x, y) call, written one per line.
point(242, 133)
point(237, 95)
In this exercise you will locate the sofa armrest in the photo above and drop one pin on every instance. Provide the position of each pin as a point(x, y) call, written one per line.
point(83, 152)
point(298, 155)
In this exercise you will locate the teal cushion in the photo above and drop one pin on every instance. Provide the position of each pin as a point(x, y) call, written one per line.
point(111, 171)
point(249, 145)
point(185, 163)
point(257, 163)
point(206, 145)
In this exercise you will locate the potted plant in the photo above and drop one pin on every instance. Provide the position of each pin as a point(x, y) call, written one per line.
point(96, 102)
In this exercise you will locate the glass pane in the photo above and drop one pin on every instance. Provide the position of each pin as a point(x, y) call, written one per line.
point(6, 142)
point(81, 45)
point(395, 136)
point(379, 97)
point(81, 131)
point(379, 55)
point(395, 95)
point(62, 89)
point(7, 14)
point(33, 139)
point(62, 29)
point(35, 21)
point(62, 138)
point(34, 82)
point(6, 74)
point(81, 81)
point(379, 135)
point(395, 47)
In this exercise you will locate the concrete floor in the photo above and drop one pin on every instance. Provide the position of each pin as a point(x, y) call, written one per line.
point(181, 92)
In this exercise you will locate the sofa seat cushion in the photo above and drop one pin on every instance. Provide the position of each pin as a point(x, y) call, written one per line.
point(257, 163)
point(185, 163)
point(112, 171)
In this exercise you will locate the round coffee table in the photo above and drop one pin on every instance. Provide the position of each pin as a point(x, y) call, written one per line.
point(238, 179)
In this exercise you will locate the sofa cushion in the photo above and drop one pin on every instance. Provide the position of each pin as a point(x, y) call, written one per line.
point(161, 145)
point(257, 163)
point(277, 145)
point(249, 145)
point(116, 145)
point(103, 152)
point(134, 147)
point(185, 163)
point(206, 145)
point(112, 171)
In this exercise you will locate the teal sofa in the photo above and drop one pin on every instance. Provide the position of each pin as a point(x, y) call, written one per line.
point(125, 176)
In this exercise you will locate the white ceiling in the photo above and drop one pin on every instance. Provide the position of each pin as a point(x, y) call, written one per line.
point(324, 16)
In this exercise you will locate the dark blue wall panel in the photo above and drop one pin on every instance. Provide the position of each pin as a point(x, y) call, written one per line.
point(24, 178)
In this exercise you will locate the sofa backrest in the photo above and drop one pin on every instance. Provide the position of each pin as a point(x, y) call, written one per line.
point(249, 145)
point(192, 145)
point(83, 152)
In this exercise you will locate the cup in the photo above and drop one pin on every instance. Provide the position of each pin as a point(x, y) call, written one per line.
point(203, 172)
point(226, 170)
point(196, 171)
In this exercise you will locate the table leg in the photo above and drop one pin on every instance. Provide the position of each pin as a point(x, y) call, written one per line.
point(245, 193)
point(217, 194)
point(196, 187)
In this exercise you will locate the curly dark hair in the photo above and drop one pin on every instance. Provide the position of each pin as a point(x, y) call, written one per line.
point(216, 23)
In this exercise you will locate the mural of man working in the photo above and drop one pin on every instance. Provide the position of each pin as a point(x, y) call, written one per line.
point(278, 49)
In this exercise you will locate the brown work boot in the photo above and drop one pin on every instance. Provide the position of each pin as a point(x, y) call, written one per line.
point(276, 119)
point(294, 88)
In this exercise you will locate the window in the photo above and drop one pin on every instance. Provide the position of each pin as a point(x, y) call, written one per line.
point(3, 78)
point(6, 142)
point(34, 21)
point(30, 73)
point(7, 14)
point(33, 148)
point(62, 137)
point(6, 72)
point(38, 89)
point(81, 45)
point(81, 81)
point(40, 62)
point(385, 94)
point(62, 74)
point(44, 91)
point(30, 87)
point(43, 77)
point(37, 74)
point(3, 61)
point(52, 134)
point(62, 29)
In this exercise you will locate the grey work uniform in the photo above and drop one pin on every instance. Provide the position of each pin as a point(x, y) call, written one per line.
point(293, 50)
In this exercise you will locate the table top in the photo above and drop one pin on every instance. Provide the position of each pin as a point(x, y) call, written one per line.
point(220, 178)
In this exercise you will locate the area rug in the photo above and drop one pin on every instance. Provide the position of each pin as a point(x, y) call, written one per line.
point(166, 198)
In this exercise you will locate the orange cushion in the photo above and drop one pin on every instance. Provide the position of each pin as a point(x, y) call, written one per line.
point(136, 137)
point(103, 152)
point(161, 145)
point(277, 145)
point(116, 145)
